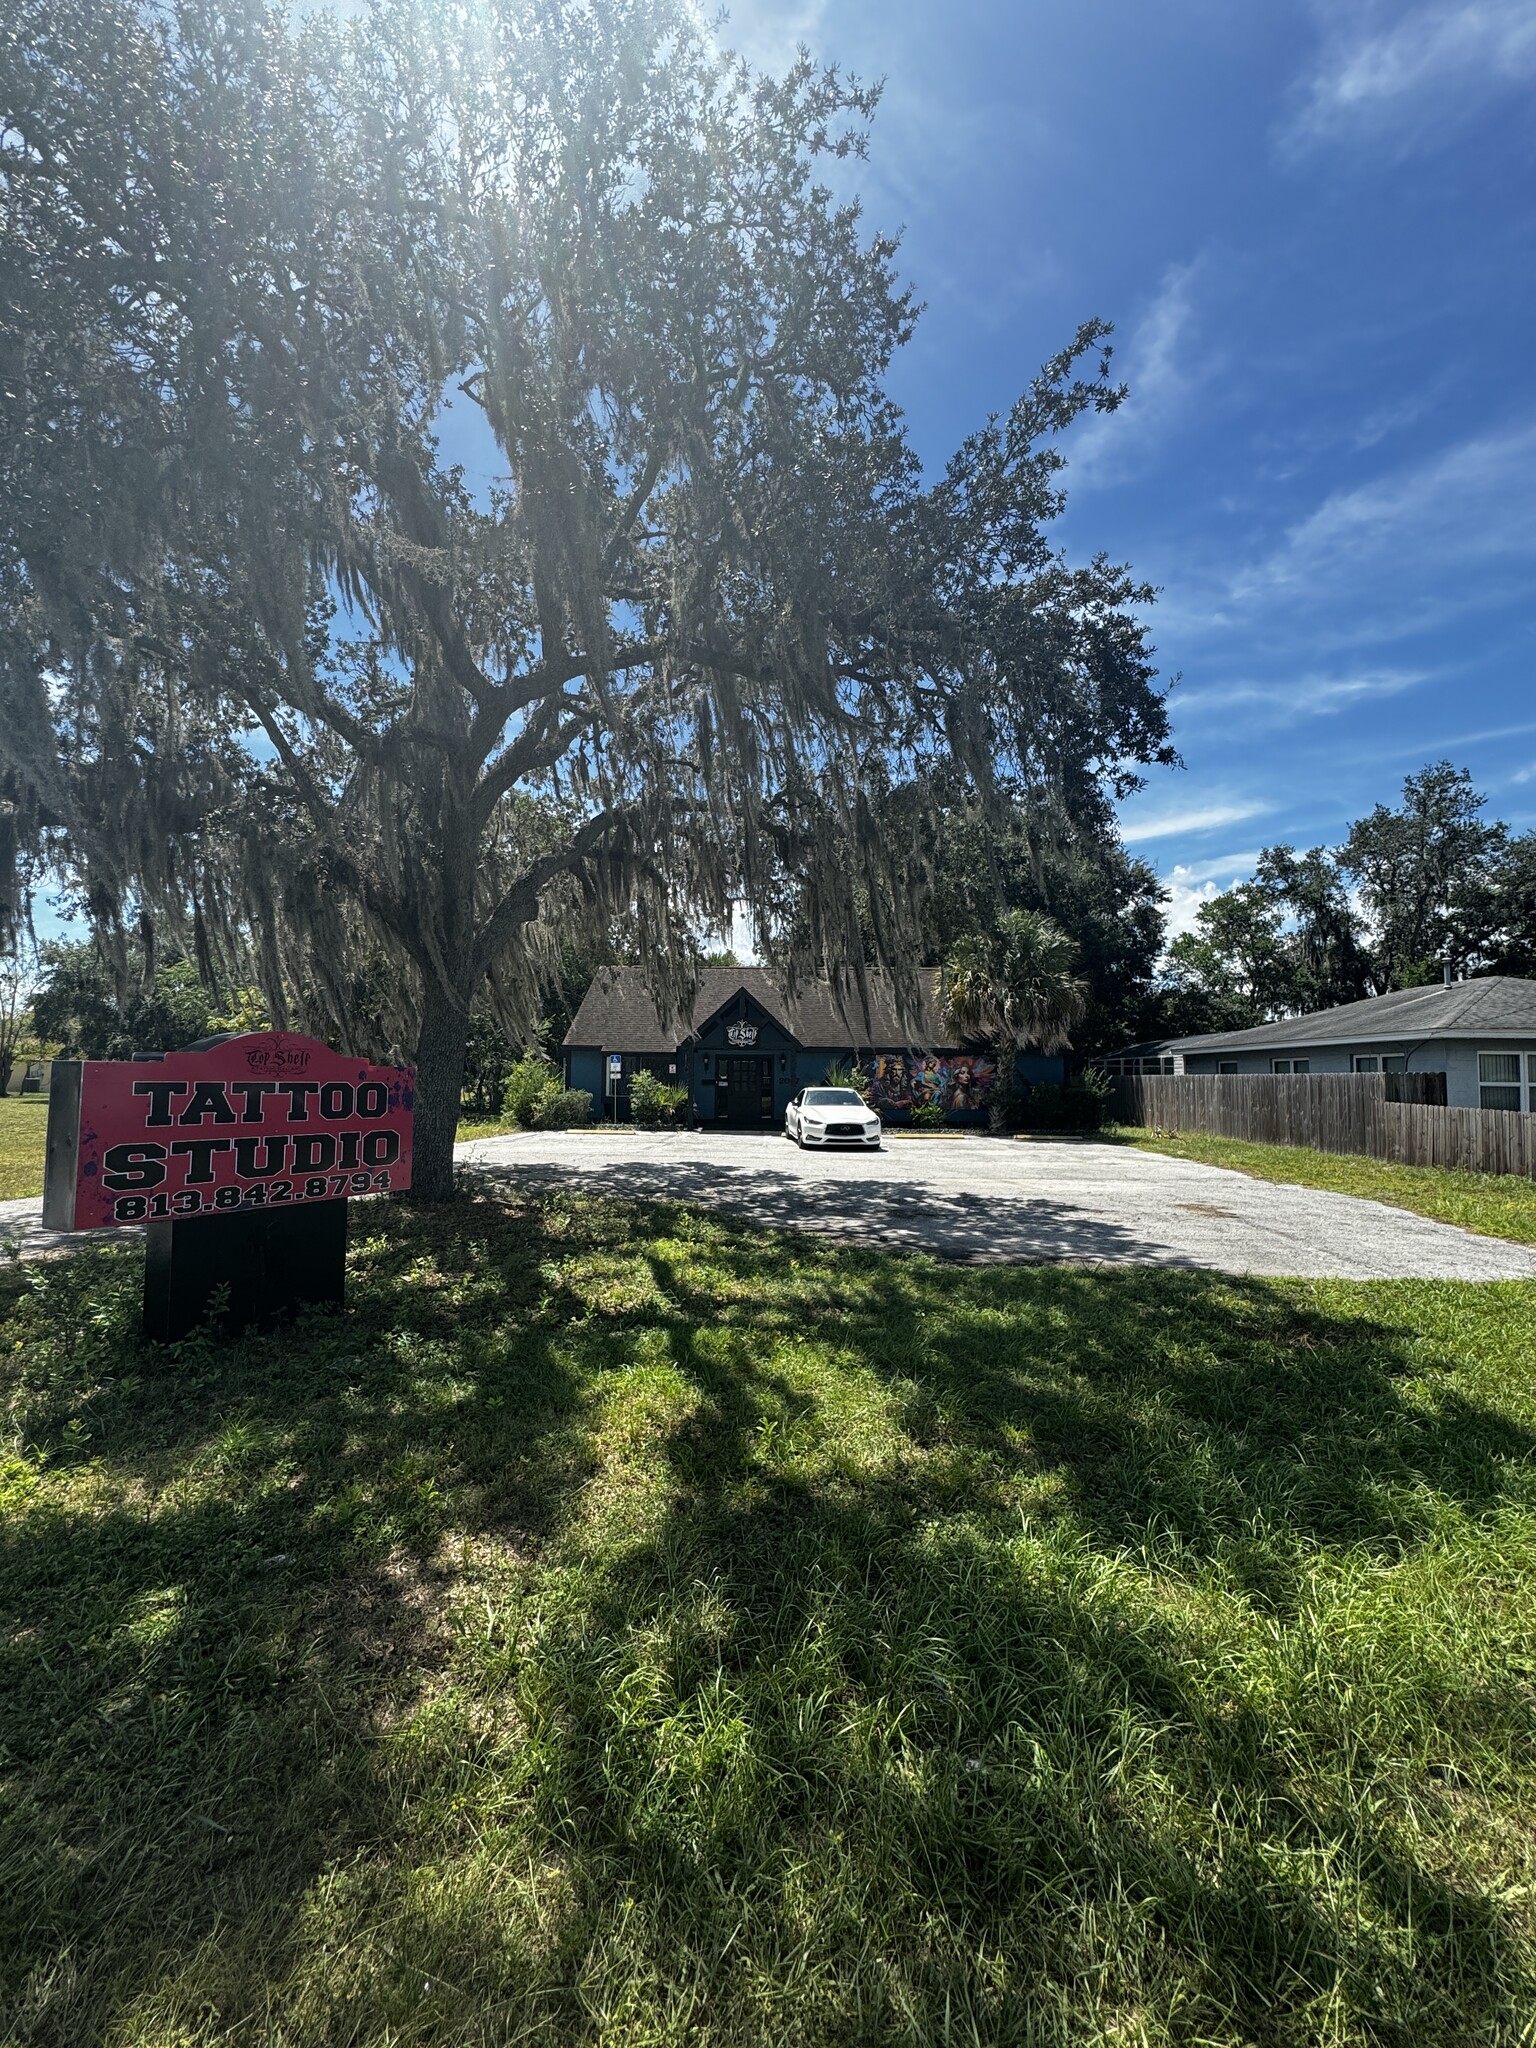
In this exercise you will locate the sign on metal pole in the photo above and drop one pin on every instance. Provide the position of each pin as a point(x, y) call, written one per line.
point(239, 1156)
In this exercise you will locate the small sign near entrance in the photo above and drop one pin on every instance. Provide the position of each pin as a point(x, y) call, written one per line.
point(741, 1034)
point(615, 1063)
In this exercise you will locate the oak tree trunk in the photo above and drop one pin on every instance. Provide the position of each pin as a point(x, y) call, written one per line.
point(439, 1086)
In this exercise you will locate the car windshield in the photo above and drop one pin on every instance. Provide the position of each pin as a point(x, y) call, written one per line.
point(830, 1098)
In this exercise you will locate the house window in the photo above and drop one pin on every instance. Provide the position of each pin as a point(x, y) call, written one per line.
point(1498, 1080)
point(1226, 1066)
point(1290, 1066)
point(1381, 1063)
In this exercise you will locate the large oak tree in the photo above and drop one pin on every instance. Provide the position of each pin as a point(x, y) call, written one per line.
point(280, 681)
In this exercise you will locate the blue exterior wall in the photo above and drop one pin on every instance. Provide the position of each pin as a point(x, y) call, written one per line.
point(794, 1066)
point(584, 1069)
point(1456, 1058)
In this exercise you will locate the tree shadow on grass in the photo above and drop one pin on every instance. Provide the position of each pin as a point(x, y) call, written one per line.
point(617, 1618)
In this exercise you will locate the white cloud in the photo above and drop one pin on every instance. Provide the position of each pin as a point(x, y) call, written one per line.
point(1404, 71)
point(1173, 824)
point(1286, 701)
point(768, 32)
point(1470, 502)
point(1190, 887)
point(1406, 552)
point(1159, 373)
point(742, 939)
point(1235, 866)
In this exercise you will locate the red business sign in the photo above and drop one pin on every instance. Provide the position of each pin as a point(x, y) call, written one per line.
point(264, 1119)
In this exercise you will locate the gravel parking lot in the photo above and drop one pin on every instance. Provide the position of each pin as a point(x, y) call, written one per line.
point(987, 1199)
point(984, 1200)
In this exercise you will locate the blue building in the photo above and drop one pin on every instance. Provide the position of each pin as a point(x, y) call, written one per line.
point(1481, 1034)
point(747, 1048)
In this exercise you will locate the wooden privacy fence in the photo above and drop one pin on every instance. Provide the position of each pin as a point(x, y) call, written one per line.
point(1401, 1117)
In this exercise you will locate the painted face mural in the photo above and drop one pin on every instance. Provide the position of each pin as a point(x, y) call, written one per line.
point(899, 1082)
point(890, 1085)
point(928, 1079)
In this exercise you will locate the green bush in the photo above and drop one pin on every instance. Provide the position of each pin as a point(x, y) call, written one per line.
point(563, 1109)
point(1082, 1104)
point(840, 1076)
point(653, 1101)
point(928, 1117)
point(1008, 1105)
point(530, 1085)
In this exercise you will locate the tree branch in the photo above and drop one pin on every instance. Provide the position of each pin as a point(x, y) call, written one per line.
point(521, 901)
point(634, 505)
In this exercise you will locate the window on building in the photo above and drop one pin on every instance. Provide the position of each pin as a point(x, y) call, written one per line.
point(1394, 1063)
point(1367, 1063)
point(1226, 1066)
point(1290, 1066)
point(1498, 1080)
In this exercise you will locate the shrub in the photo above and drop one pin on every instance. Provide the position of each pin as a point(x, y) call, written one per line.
point(839, 1076)
point(1080, 1105)
point(653, 1101)
point(928, 1117)
point(531, 1083)
point(563, 1109)
point(1008, 1105)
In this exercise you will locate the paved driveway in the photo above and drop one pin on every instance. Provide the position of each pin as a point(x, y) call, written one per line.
point(988, 1199)
point(983, 1199)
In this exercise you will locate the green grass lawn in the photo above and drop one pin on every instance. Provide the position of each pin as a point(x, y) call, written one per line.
point(23, 1126)
point(622, 1626)
point(1495, 1205)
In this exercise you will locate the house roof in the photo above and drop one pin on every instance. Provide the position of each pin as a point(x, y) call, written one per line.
point(618, 1013)
point(1492, 1006)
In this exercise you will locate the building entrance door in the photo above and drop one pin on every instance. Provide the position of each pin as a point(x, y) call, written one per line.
point(744, 1091)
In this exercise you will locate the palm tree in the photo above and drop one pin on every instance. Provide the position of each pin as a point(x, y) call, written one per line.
point(1016, 985)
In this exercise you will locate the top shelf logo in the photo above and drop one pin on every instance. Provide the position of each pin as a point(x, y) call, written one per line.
point(278, 1056)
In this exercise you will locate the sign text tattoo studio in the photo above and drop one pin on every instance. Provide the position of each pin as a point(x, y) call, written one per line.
point(239, 1156)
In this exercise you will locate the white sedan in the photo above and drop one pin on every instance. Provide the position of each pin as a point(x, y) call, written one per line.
point(831, 1116)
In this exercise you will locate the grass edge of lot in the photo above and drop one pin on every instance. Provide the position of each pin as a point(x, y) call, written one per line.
point(1490, 1205)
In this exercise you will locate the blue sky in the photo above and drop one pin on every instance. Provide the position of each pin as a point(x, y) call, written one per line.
point(1314, 228)
point(1313, 223)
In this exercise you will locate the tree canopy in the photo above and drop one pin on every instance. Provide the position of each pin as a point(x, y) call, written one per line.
point(283, 687)
point(1413, 890)
point(1016, 985)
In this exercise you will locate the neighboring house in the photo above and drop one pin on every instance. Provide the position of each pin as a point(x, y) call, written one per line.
point(747, 1048)
point(1480, 1034)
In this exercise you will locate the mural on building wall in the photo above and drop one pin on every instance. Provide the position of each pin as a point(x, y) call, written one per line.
point(909, 1081)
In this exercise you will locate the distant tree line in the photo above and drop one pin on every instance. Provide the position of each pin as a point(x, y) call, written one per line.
point(1432, 884)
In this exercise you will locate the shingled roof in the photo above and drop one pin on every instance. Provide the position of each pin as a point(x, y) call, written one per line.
point(1491, 1006)
point(618, 1014)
